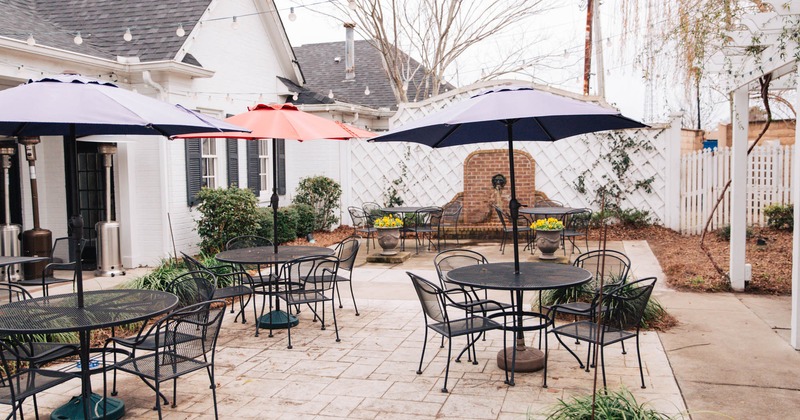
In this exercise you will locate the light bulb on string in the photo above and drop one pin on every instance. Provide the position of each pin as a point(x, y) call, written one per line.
point(608, 42)
point(292, 16)
point(30, 41)
point(78, 40)
point(366, 91)
point(180, 32)
point(351, 4)
point(235, 23)
point(294, 97)
point(127, 36)
point(330, 93)
point(566, 53)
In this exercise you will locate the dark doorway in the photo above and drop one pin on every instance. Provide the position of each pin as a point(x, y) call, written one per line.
point(15, 193)
point(91, 193)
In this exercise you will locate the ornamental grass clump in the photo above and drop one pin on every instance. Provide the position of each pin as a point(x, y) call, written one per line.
point(551, 223)
point(620, 404)
point(387, 222)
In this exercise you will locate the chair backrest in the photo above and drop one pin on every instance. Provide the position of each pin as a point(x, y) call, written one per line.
point(13, 293)
point(451, 212)
point(578, 220)
point(452, 259)
point(427, 217)
point(247, 241)
point(193, 287)
point(63, 250)
point(548, 203)
point(191, 263)
point(612, 266)
point(430, 297)
point(626, 304)
point(312, 273)
point(358, 216)
point(500, 215)
point(372, 211)
point(347, 251)
point(190, 332)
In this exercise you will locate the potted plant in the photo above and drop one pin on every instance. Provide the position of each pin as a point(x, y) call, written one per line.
point(548, 236)
point(388, 228)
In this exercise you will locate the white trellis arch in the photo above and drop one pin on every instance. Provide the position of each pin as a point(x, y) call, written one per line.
point(762, 45)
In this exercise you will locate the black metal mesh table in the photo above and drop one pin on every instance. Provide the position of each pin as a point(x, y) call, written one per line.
point(266, 255)
point(532, 276)
point(7, 261)
point(547, 211)
point(104, 308)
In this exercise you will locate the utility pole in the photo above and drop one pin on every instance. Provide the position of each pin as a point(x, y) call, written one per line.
point(587, 57)
point(599, 66)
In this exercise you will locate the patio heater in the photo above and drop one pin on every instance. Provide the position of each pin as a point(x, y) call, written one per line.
point(37, 241)
point(10, 242)
point(109, 258)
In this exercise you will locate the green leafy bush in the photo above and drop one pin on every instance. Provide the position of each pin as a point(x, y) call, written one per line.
point(305, 219)
point(287, 224)
point(634, 218)
point(724, 233)
point(780, 216)
point(620, 404)
point(321, 193)
point(225, 214)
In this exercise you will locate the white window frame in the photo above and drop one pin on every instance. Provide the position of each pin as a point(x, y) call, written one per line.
point(208, 153)
point(264, 164)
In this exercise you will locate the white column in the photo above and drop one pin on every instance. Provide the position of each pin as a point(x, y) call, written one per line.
point(738, 187)
point(794, 339)
point(672, 153)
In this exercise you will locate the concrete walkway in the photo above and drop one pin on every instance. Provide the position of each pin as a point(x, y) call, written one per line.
point(724, 360)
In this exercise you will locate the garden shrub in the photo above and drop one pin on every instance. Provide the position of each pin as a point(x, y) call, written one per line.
point(780, 216)
point(305, 219)
point(724, 233)
point(287, 224)
point(619, 404)
point(225, 214)
point(321, 193)
point(634, 218)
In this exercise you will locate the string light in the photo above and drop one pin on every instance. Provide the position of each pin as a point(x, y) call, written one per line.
point(330, 93)
point(294, 97)
point(78, 40)
point(180, 31)
point(128, 36)
point(292, 16)
point(366, 91)
point(235, 23)
point(30, 41)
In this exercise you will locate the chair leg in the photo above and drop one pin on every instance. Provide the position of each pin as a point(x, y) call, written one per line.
point(289, 328)
point(639, 357)
point(422, 356)
point(174, 393)
point(602, 363)
point(338, 293)
point(213, 389)
point(335, 325)
point(350, 282)
point(546, 355)
point(623, 347)
point(447, 367)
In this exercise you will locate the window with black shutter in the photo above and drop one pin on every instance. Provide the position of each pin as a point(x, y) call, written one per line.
point(281, 162)
point(253, 176)
point(233, 162)
point(194, 168)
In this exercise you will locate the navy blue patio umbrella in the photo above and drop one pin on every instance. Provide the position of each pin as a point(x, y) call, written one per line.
point(511, 113)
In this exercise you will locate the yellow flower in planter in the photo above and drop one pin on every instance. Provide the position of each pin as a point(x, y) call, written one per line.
point(388, 221)
point(551, 223)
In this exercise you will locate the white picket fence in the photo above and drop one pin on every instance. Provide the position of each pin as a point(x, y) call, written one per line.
point(705, 173)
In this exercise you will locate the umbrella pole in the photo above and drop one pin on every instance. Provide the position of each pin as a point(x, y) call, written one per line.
point(76, 220)
point(274, 199)
point(513, 204)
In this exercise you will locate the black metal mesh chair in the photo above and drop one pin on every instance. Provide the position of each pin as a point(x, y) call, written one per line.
point(451, 212)
point(239, 284)
point(362, 225)
point(20, 378)
point(265, 274)
point(576, 225)
point(62, 258)
point(505, 222)
point(347, 251)
point(620, 315)
point(308, 280)
point(185, 341)
point(37, 352)
point(435, 301)
point(426, 222)
point(372, 210)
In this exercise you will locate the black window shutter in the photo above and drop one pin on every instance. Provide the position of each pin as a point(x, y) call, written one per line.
point(253, 178)
point(233, 162)
point(281, 181)
point(194, 167)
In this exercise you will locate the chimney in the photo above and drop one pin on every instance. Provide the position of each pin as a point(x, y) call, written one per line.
point(349, 52)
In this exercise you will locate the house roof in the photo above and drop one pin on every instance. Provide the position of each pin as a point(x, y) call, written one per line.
point(323, 74)
point(102, 24)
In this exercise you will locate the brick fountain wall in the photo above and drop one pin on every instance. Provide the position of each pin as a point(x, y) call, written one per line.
point(479, 168)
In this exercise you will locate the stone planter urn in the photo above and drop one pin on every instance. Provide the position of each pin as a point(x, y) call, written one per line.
point(388, 239)
point(548, 242)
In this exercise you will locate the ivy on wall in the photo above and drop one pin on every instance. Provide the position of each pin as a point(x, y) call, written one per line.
point(620, 183)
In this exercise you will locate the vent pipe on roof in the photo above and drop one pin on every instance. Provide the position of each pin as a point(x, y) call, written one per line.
point(349, 52)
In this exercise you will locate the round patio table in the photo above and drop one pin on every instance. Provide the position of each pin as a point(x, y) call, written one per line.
point(7, 263)
point(532, 276)
point(266, 255)
point(102, 309)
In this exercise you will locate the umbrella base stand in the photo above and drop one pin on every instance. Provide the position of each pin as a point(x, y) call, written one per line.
point(277, 319)
point(74, 409)
point(528, 359)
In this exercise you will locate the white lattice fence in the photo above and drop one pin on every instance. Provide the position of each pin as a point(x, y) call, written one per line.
point(705, 173)
point(434, 176)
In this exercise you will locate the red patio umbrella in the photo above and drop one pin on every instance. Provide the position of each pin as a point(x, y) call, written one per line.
point(283, 121)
